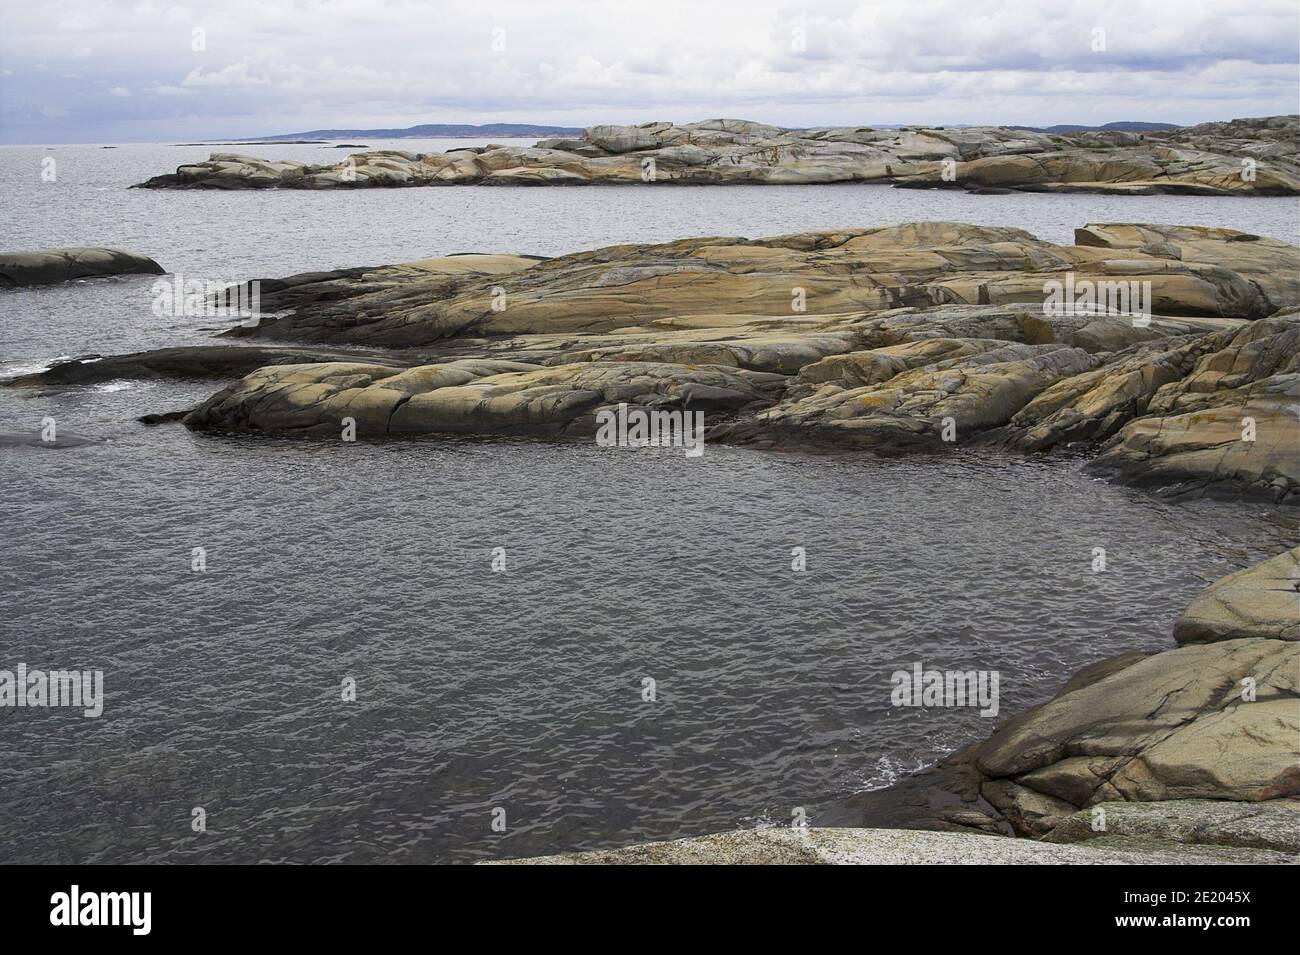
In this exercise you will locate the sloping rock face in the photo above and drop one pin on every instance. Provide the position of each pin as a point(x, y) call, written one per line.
point(1218, 721)
point(1180, 724)
point(1260, 601)
point(842, 277)
point(51, 266)
point(1249, 157)
point(1230, 423)
point(925, 335)
point(971, 392)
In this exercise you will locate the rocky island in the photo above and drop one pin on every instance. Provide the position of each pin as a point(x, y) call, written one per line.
point(917, 337)
point(1241, 157)
point(874, 339)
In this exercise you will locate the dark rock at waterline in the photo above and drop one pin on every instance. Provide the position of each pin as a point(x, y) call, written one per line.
point(51, 266)
point(189, 361)
point(164, 417)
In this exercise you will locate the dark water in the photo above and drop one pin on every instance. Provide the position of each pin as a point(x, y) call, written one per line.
point(522, 689)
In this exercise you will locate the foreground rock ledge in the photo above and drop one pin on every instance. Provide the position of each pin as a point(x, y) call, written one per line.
point(50, 266)
point(902, 329)
point(1242, 157)
point(815, 846)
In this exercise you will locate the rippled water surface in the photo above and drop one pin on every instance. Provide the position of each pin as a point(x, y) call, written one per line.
point(521, 689)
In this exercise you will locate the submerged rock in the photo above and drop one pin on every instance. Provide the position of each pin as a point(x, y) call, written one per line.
point(1250, 157)
point(51, 266)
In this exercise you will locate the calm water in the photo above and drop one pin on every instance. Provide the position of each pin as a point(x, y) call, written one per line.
point(522, 689)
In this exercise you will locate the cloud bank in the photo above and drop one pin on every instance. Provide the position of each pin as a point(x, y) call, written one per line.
point(120, 71)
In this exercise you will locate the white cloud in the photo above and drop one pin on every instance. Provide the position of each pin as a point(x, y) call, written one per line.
point(235, 75)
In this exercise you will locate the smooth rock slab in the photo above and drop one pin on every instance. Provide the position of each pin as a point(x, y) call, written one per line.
point(1198, 279)
point(870, 338)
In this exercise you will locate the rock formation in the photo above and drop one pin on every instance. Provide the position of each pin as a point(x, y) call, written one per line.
point(59, 265)
point(1247, 157)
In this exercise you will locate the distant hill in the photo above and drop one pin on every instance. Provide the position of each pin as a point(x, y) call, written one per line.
point(533, 131)
point(1123, 127)
point(428, 131)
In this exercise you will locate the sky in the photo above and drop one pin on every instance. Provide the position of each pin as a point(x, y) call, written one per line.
point(104, 71)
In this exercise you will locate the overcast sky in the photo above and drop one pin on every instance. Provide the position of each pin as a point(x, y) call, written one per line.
point(129, 71)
